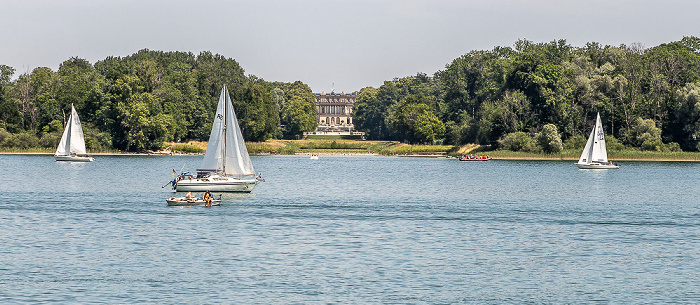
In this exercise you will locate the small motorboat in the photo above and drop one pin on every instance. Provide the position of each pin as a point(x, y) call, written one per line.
point(474, 158)
point(184, 201)
point(314, 157)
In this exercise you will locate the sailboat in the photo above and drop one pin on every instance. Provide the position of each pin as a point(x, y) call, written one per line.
point(594, 155)
point(72, 145)
point(226, 166)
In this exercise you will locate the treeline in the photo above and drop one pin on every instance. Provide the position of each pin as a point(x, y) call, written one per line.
point(536, 96)
point(140, 101)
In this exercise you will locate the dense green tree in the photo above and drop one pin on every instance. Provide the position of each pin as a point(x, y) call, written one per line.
point(687, 113)
point(10, 115)
point(145, 127)
point(299, 113)
point(368, 113)
point(644, 133)
point(258, 112)
point(413, 120)
point(509, 114)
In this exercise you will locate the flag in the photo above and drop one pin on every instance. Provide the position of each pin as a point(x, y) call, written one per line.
point(173, 172)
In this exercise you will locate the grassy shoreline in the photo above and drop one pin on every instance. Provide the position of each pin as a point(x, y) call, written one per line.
point(341, 146)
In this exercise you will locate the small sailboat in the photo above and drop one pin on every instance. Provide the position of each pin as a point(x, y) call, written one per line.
point(72, 145)
point(226, 166)
point(595, 155)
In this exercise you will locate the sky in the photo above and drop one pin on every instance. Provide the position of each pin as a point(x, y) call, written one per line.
point(341, 45)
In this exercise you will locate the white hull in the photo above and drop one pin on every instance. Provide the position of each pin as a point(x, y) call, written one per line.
point(220, 184)
point(75, 158)
point(596, 166)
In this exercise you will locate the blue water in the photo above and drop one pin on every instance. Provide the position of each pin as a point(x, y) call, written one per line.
point(351, 230)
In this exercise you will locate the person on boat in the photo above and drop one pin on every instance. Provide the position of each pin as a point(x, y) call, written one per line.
point(189, 195)
point(208, 199)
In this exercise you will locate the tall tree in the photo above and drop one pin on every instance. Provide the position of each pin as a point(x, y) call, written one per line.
point(257, 113)
point(299, 113)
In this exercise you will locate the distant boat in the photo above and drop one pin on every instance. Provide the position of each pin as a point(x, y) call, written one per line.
point(314, 157)
point(474, 158)
point(72, 145)
point(226, 166)
point(595, 155)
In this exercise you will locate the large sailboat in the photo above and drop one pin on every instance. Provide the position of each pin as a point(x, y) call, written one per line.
point(595, 155)
point(226, 166)
point(72, 145)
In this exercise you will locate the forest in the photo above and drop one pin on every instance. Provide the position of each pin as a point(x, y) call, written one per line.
point(538, 97)
point(542, 96)
point(144, 100)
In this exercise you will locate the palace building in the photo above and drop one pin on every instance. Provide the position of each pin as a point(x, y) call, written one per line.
point(334, 111)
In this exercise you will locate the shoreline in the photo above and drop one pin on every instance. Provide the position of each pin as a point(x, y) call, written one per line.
point(611, 159)
point(370, 154)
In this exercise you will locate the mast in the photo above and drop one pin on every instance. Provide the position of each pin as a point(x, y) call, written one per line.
point(223, 147)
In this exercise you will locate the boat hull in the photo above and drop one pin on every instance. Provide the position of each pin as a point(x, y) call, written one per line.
point(475, 159)
point(219, 185)
point(596, 166)
point(75, 158)
point(182, 201)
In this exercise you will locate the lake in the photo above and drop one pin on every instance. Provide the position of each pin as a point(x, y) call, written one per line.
point(351, 230)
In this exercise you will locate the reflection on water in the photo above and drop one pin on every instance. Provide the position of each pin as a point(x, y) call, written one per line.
point(351, 230)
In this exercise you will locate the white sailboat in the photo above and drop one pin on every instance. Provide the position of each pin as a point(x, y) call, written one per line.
point(226, 166)
point(72, 145)
point(595, 155)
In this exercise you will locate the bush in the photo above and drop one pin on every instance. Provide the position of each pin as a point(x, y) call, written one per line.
point(96, 140)
point(653, 144)
point(22, 140)
point(673, 147)
point(4, 134)
point(645, 131)
point(517, 141)
point(612, 143)
point(50, 140)
point(549, 140)
point(576, 142)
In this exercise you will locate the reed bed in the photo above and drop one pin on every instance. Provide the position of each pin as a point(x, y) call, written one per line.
point(186, 148)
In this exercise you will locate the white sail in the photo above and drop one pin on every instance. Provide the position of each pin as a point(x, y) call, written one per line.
point(595, 150)
point(586, 154)
point(226, 152)
point(595, 154)
point(72, 141)
point(64, 146)
point(598, 150)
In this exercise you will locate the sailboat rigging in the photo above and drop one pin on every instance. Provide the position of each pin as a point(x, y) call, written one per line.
point(226, 166)
point(72, 145)
point(595, 155)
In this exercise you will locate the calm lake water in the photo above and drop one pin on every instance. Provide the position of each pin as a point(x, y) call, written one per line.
point(351, 230)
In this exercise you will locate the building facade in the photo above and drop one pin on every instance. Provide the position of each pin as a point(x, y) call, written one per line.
point(335, 111)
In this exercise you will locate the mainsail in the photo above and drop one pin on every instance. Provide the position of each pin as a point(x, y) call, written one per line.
point(595, 150)
point(72, 141)
point(226, 152)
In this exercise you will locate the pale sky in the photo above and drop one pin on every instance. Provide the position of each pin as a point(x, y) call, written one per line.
point(341, 44)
